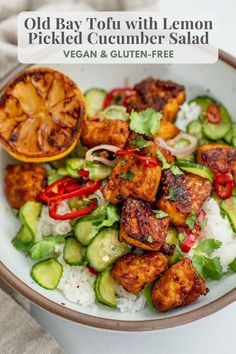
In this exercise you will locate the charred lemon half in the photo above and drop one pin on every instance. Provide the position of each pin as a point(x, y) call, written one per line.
point(41, 114)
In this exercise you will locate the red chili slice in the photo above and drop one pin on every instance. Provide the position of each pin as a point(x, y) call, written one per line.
point(123, 152)
point(213, 114)
point(148, 161)
point(224, 185)
point(118, 96)
point(73, 214)
point(92, 270)
point(83, 173)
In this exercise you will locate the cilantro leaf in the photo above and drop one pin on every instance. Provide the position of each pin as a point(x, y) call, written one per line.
point(146, 122)
point(232, 265)
point(191, 220)
point(162, 158)
point(208, 268)
point(141, 143)
point(127, 175)
point(123, 162)
point(181, 237)
point(176, 171)
point(172, 195)
point(159, 214)
point(208, 246)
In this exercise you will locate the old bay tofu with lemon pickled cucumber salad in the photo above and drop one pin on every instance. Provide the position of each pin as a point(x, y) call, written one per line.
point(124, 191)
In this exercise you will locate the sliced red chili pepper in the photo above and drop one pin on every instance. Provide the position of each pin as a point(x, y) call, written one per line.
point(224, 185)
point(92, 270)
point(123, 152)
point(83, 173)
point(188, 242)
point(73, 214)
point(148, 161)
point(213, 114)
point(117, 96)
point(55, 188)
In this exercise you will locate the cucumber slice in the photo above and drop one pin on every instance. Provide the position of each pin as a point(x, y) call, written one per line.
point(85, 232)
point(147, 292)
point(228, 208)
point(172, 239)
point(105, 249)
point(231, 134)
point(195, 128)
point(29, 214)
point(97, 170)
point(190, 157)
point(105, 287)
point(171, 236)
point(24, 239)
point(94, 98)
point(196, 169)
point(74, 252)
point(114, 112)
point(47, 273)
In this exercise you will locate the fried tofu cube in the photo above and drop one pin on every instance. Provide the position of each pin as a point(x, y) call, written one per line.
point(219, 158)
point(23, 183)
point(167, 130)
point(133, 272)
point(163, 96)
point(180, 195)
point(131, 178)
point(139, 226)
point(98, 132)
point(180, 285)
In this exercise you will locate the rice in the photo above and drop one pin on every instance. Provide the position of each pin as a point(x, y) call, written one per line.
point(218, 228)
point(187, 113)
point(47, 226)
point(127, 302)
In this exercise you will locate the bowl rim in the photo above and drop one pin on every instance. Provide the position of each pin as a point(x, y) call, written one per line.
point(109, 324)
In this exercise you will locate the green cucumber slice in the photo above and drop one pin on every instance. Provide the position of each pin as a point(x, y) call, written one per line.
point(147, 292)
point(94, 98)
point(47, 273)
point(231, 134)
point(172, 239)
point(85, 231)
point(213, 131)
point(114, 112)
point(29, 214)
point(105, 249)
point(196, 169)
point(105, 287)
point(228, 208)
point(74, 252)
point(195, 128)
point(24, 239)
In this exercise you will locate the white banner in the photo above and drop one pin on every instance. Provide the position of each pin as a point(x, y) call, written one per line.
point(116, 37)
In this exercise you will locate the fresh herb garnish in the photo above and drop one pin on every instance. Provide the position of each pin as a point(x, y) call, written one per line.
point(172, 195)
point(208, 268)
point(191, 220)
point(176, 171)
point(165, 165)
point(123, 162)
point(150, 239)
point(127, 175)
point(159, 214)
point(232, 266)
point(141, 143)
point(146, 122)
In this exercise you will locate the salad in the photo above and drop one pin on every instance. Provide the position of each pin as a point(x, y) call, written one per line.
point(119, 193)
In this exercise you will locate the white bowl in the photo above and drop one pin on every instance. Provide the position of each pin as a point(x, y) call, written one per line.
point(219, 81)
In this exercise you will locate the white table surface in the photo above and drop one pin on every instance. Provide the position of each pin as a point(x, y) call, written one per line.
point(214, 334)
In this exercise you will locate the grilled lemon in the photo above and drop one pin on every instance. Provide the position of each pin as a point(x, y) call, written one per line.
point(41, 114)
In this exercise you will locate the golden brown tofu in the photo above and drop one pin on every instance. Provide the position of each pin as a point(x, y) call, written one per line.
point(167, 130)
point(219, 158)
point(24, 182)
point(180, 285)
point(131, 178)
point(139, 226)
point(179, 195)
point(133, 272)
point(97, 132)
point(163, 96)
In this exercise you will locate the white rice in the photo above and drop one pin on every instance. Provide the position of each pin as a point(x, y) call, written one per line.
point(219, 228)
point(47, 226)
point(186, 114)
